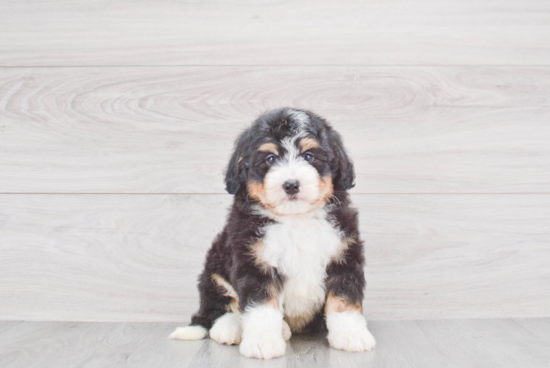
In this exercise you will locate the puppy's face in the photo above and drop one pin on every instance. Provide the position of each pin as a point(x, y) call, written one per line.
point(290, 176)
point(290, 161)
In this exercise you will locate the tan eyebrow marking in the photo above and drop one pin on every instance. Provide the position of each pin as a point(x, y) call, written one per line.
point(308, 143)
point(269, 147)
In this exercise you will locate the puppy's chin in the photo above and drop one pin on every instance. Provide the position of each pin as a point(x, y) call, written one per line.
point(292, 206)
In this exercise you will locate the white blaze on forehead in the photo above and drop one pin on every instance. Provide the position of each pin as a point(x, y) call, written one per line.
point(300, 118)
point(292, 150)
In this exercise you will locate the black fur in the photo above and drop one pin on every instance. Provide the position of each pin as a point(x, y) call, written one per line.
point(230, 254)
point(273, 127)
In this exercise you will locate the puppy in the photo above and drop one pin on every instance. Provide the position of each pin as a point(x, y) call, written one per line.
point(290, 258)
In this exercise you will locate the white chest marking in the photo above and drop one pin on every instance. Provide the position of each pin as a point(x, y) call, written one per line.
point(300, 249)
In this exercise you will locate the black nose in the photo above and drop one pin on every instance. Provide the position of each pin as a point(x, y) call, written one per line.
point(291, 186)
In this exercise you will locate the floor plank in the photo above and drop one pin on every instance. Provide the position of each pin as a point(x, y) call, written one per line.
point(270, 32)
point(73, 344)
point(6, 325)
point(484, 343)
point(537, 327)
point(444, 343)
point(137, 257)
point(171, 130)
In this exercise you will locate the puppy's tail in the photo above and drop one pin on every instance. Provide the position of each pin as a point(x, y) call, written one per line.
point(191, 332)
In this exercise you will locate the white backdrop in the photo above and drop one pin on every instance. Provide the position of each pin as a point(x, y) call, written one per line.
point(114, 136)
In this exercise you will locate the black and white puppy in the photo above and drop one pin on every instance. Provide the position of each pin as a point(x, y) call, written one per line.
point(290, 258)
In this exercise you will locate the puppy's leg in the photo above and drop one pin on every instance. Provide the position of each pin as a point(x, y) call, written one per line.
point(217, 298)
point(263, 331)
point(347, 327)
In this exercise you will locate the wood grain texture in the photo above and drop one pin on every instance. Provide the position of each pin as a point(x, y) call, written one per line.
point(137, 257)
point(314, 32)
point(446, 343)
point(170, 130)
point(484, 343)
point(536, 327)
point(6, 325)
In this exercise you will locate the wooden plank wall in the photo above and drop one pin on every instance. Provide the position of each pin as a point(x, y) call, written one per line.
point(117, 119)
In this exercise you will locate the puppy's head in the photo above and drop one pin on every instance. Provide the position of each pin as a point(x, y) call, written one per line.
point(291, 161)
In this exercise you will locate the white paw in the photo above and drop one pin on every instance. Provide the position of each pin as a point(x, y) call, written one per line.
point(352, 340)
point(287, 334)
point(263, 347)
point(189, 333)
point(348, 331)
point(227, 330)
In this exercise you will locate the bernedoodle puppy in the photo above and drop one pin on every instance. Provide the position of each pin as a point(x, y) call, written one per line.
point(290, 258)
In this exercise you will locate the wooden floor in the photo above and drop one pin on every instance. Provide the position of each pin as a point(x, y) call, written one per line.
point(502, 343)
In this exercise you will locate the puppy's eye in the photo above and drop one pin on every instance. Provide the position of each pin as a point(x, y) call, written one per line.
point(270, 160)
point(308, 157)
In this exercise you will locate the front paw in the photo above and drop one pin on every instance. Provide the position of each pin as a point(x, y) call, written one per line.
point(359, 339)
point(227, 330)
point(263, 347)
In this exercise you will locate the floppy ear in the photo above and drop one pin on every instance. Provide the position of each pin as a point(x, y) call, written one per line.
point(235, 173)
point(343, 167)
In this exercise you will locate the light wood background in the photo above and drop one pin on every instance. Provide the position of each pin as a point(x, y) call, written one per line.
point(117, 119)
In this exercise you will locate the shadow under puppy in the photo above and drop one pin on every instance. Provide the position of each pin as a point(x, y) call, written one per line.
point(289, 258)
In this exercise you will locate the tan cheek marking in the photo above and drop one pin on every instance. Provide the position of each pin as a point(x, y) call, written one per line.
point(336, 304)
point(308, 143)
point(256, 191)
point(233, 306)
point(326, 190)
point(339, 256)
point(269, 147)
